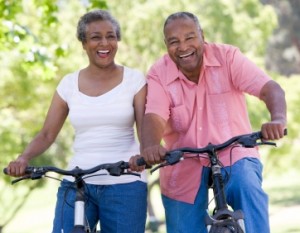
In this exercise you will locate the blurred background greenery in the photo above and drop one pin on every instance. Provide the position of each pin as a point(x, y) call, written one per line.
point(38, 47)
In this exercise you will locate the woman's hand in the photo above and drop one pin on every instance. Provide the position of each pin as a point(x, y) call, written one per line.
point(17, 167)
point(133, 164)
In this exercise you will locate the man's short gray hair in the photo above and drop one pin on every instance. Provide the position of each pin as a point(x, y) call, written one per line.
point(182, 15)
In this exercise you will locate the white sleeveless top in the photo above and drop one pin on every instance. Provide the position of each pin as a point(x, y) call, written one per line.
point(104, 125)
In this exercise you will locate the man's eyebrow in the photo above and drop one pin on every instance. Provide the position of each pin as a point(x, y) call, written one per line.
point(186, 35)
point(190, 34)
point(171, 38)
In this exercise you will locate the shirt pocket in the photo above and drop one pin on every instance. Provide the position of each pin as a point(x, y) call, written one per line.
point(221, 111)
point(180, 118)
point(218, 82)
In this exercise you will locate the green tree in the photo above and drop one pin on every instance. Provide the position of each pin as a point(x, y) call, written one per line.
point(244, 23)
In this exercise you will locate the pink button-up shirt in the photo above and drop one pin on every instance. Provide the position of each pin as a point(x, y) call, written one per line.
point(213, 110)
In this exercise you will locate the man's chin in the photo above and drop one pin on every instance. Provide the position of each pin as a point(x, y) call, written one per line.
point(187, 67)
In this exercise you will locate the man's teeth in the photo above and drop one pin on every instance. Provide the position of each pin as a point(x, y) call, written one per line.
point(103, 51)
point(186, 55)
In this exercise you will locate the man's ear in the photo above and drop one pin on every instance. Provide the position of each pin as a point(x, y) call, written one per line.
point(165, 41)
point(202, 34)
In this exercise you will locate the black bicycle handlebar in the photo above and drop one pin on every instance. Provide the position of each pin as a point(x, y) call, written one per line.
point(245, 140)
point(114, 169)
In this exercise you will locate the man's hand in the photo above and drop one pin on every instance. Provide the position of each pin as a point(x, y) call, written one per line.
point(154, 154)
point(273, 130)
point(274, 97)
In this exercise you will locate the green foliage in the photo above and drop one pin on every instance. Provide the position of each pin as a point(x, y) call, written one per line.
point(244, 23)
point(286, 156)
point(96, 4)
point(34, 55)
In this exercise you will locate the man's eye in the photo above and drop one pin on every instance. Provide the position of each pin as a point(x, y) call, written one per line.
point(173, 42)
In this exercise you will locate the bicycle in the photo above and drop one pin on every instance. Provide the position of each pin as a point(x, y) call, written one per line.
point(222, 219)
point(80, 224)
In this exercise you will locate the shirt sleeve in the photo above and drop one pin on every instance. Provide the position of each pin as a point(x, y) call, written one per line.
point(157, 98)
point(246, 76)
point(65, 86)
point(140, 80)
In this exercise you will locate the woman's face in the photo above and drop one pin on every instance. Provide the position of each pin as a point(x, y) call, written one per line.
point(101, 43)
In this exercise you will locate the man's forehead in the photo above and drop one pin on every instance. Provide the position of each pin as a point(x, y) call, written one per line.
point(181, 29)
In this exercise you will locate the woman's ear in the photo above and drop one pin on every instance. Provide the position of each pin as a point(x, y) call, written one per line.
point(83, 45)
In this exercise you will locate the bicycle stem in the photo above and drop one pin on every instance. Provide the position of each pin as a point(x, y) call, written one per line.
point(79, 208)
point(219, 194)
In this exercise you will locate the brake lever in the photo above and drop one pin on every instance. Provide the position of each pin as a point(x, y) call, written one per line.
point(266, 143)
point(157, 167)
point(171, 158)
point(131, 173)
point(21, 178)
point(248, 142)
point(122, 169)
point(252, 142)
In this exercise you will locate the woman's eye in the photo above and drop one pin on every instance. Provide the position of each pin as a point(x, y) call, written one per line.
point(110, 37)
point(95, 38)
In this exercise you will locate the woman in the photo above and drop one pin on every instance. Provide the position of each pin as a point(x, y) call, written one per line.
point(103, 101)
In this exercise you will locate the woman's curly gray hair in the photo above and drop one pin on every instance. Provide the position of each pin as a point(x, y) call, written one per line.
point(93, 16)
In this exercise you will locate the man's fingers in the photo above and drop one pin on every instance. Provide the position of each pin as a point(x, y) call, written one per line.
point(272, 131)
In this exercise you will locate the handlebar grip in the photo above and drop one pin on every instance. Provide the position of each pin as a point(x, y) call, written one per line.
point(28, 170)
point(5, 171)
point(141, 162)
point(285, 132)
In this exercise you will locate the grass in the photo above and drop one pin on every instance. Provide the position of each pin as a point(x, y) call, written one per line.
point(284, 193)
point(37, 214)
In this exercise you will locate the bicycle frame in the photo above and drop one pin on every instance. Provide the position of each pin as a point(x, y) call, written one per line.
point(222, 211)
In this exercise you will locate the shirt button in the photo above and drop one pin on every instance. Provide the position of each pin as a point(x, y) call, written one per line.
point(200, 128)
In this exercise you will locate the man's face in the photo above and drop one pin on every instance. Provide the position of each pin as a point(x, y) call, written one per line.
point(185, 45)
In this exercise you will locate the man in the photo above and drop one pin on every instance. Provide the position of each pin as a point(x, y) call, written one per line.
point(196, 96)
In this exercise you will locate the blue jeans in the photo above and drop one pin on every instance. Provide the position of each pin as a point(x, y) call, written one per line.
point(243, 191)
point(120, 208)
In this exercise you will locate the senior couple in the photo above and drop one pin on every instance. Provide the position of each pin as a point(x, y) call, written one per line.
point(195, 94)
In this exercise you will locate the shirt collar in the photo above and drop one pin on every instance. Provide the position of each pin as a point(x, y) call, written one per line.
point(209, 59)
